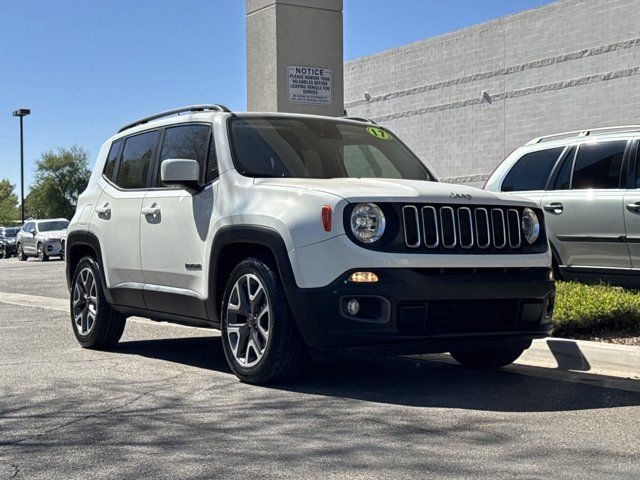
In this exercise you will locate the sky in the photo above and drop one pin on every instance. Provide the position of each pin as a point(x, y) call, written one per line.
point(87, 67)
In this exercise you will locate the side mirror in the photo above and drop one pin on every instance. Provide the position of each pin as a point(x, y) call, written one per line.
point(33, 232)
point(181, 172)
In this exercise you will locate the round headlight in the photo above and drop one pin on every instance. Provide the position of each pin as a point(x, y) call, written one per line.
point(530, 225)
point(367, 222)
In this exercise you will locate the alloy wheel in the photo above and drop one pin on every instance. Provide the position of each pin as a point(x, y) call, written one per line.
point(248, 320)
point(85, 301)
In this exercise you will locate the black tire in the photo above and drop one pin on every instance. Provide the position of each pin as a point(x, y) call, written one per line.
point(21, 256)
point(43, 257)
point(285, 352)
point(4, 255)
point(108, 325)
point(487, 359)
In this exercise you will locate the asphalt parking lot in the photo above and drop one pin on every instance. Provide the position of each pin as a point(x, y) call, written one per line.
point(163, 404)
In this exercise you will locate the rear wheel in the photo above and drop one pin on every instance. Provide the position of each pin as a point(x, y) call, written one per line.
point(488, 358)
point(21, 256)
point(259, 335)
point(95, 323)
point(43, 257)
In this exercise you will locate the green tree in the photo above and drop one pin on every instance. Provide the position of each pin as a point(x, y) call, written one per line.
point(61, 176)
point(8, 202)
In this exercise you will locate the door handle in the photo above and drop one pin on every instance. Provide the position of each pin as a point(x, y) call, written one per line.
point(151, 210)
point(104, 210)
point(633, 207)
point(556, 208)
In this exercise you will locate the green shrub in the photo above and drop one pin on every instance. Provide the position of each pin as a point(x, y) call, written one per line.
point(592, 309)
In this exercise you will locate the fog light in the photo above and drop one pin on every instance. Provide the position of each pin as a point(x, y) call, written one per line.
point(363, 277)
point(353, 306)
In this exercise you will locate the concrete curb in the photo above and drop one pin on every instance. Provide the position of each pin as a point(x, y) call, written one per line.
point(584, 356)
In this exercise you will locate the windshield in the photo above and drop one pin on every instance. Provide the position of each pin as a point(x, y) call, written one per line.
point(320, 148)
point(52, 226)
point(10, 232)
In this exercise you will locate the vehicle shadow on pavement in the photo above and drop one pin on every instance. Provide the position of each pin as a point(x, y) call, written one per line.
point(417, 382)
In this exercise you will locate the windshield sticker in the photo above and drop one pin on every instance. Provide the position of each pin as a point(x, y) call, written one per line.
point(378, 133)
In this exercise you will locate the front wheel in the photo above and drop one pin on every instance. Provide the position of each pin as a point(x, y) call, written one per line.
point(95, 323)
point(260, 338)
point(21, 256)
point(43, 257)
point(486, 359)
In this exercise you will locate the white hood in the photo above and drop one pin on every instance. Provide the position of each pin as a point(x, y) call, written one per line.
point(392, 190)
point(59, 234)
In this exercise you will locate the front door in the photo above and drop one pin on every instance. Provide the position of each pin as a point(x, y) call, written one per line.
point(584, 213)
point(175, 227)
point(117, 217)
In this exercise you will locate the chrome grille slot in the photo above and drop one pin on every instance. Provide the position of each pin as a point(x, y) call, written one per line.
point(430, 233)
point(483, 232)
point(513, 226)
point(498, 229)
point(411, 226)
point(465, 227)
point(448, 227)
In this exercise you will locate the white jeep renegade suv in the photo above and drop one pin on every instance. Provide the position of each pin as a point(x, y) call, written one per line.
point(301, 236)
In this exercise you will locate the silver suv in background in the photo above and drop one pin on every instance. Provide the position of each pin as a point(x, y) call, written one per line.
point(588, 184)
point(42, 239)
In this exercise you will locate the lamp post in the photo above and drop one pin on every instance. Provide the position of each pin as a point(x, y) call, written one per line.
point(21, 112)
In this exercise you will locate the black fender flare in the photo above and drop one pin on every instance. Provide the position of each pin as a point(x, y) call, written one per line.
point(88, 239)
point(248, 234)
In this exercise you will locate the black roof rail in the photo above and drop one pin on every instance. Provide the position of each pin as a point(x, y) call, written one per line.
point(361, 119)
point(176, 111)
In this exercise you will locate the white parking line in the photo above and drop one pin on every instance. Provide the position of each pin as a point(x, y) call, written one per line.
point(62, 305)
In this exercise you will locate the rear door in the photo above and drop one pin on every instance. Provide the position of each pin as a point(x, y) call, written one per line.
point(176, 224)
point(631, 208)
point(583, 211)
point(27, 240)
point(117, 220)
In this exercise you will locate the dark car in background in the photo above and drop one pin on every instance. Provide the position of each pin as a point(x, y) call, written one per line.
point(8, 241)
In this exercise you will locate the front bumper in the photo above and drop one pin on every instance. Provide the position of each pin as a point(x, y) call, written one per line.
point(53, 248)
point(421, 310)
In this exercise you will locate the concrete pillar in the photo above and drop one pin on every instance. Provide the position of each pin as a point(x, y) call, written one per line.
point(294, 56)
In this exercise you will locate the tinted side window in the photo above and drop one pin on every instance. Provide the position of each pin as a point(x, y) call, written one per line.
point(637, 166)
point(532, 171)
point(563, 180)
point(110, 164)
point(27, 226)
point(136, 158)
point(189, 142)
point(598, 165)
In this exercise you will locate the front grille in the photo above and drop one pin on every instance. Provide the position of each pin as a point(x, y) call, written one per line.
point(452, 227)
point(460, 316)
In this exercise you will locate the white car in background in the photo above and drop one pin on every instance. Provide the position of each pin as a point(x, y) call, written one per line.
point(588, 183)
point(42, 239)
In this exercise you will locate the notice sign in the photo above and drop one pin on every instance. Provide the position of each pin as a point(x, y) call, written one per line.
point(310, 85)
